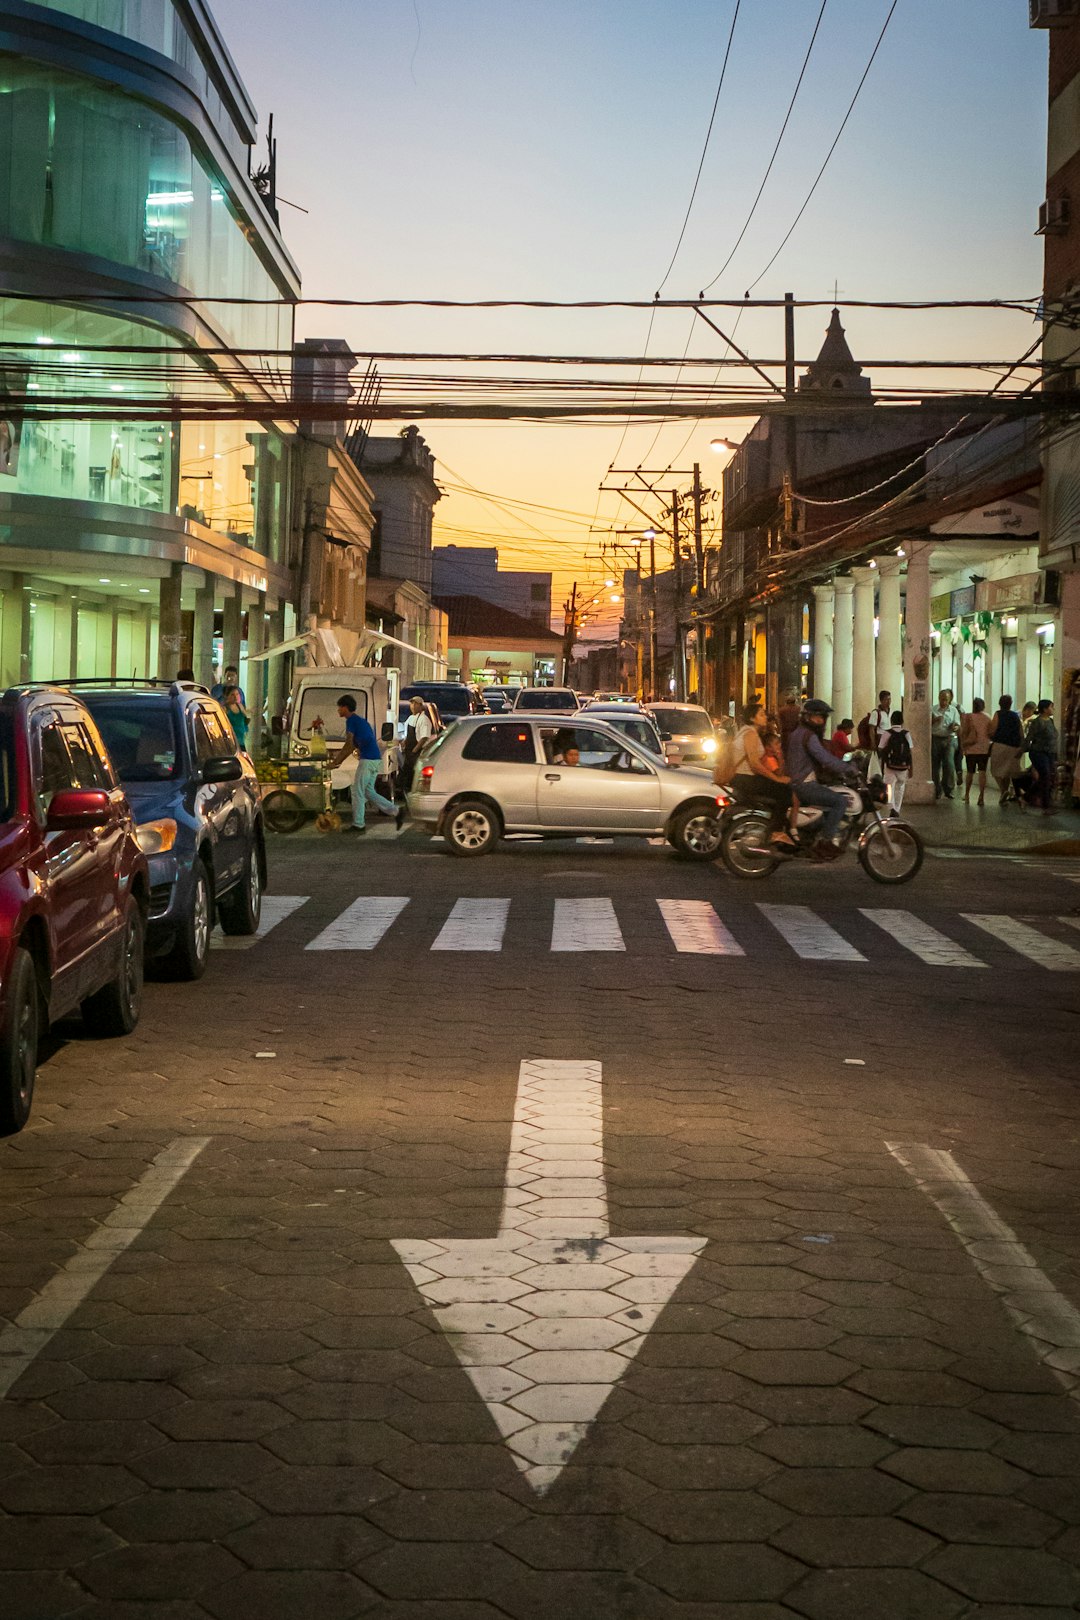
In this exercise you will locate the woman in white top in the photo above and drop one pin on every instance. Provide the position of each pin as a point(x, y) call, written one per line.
point(755, 775)
point(975, 747)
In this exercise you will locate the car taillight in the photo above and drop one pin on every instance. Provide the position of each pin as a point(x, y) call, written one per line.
point(426, 774)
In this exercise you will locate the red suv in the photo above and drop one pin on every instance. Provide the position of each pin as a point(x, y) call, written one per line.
point(73, 886)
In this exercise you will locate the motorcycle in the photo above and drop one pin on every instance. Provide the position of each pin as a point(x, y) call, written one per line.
point(889, 850)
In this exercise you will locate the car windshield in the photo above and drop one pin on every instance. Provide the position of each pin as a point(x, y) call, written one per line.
point(683, 722)
point(547, 698)
point(639, 730)
point(7, 770)
point(320, 703)
point(447, 699)
point(139, 734)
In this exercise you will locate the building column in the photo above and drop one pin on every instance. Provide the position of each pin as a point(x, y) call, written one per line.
point(843, 646)
point(256, 687)
point(202, 651)
point(170, 632)
point(16, 632)
point(993, 667)
point(863, 659)
point(233, 631)
point(74, 604)
point(276, 693)
point(917, 698)
point(821, 675)
point(147, 621)
point(114, 640)
point(889, 659)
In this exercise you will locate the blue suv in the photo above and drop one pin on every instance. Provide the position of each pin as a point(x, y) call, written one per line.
point(196, 802)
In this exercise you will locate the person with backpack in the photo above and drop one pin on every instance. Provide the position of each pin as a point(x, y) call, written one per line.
point(749, 770)
point(897, 760)
point(873, 730)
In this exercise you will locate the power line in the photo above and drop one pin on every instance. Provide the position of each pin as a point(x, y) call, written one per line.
point(704, 150)
point(832, 149)
point(1028, 305)
point(775, 150)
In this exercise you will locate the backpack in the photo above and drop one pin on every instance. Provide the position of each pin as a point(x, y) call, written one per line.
point(897, 752)
point(867, 734)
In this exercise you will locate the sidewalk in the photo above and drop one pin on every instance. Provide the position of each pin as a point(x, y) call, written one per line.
point(956, 825)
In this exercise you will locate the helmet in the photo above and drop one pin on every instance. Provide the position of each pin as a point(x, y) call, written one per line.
point(816, 707)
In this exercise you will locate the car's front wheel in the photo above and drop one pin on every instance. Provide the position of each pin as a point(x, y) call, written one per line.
point(191, 949)
point(471, 828)
point(240, 910)
point(696, 833)
point(114, 1009)
point(19, 1037)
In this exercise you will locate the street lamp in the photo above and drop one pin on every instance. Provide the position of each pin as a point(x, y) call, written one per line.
point(723, 447)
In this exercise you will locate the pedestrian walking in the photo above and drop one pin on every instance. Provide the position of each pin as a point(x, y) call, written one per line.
point(944, 730)
point(1042, 741)
point(975, 747)
point(873, 730)
point(897, 760)
point(238, 717)
point(1006, 747)
point(418, 730)
point(361, 740)
point(230, 677)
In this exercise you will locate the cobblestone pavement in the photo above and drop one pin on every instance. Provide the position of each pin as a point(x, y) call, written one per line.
point(848, 1395)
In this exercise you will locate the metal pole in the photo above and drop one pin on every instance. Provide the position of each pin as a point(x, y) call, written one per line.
point(653, 648)
point(790, 427)
point(680, 628)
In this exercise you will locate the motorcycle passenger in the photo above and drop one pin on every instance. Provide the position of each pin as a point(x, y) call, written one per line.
point(756, 776)
point(807, 753)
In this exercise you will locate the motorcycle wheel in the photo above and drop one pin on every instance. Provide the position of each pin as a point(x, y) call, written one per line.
point(745, 849)
point(892, 855)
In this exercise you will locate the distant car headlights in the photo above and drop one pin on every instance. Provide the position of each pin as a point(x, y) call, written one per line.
point(156, 837)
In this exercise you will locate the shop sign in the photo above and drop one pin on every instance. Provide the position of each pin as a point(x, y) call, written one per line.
point(1004, 595)
point(1018, 515)
point(961, 602)
point(939, 607)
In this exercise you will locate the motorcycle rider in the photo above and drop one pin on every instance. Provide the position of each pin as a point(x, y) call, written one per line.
point(807, 753)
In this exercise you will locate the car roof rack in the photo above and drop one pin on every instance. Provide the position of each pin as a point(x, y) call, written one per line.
point(156, 681)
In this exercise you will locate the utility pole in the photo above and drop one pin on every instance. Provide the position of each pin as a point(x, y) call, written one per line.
point(790, 425)
point(653, 646)
point(570, 629)
point(680, 625)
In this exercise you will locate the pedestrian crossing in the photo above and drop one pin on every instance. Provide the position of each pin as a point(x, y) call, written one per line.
point(596, 926)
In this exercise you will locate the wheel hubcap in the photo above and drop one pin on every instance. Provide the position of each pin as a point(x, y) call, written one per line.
point(201, 919)
point(131, 966)
point(254, 884)
point(703, 834)
point(470, 830)
point(27, 1048)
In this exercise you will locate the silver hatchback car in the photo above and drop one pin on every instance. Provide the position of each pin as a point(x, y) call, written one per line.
point(494, 774)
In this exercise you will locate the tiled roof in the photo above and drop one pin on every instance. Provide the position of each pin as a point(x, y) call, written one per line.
point(473, 619)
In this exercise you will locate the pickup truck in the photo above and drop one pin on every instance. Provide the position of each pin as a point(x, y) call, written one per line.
point(74, 888)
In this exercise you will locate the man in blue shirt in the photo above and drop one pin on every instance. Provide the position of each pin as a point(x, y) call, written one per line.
point(230, 677)
point(361, 739)
point(807, 752)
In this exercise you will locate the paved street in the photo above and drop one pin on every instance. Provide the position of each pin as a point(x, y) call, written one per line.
point(572, 1233)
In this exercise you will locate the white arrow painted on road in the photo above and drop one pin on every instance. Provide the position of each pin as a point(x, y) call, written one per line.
point(546, 1317)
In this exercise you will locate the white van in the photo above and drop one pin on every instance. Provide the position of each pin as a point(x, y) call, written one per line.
point(314, 697)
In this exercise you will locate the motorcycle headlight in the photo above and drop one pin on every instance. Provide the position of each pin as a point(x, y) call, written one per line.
point(156, 837)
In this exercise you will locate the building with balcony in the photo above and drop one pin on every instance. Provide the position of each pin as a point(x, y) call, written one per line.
point(475, 571)
point(134, 543)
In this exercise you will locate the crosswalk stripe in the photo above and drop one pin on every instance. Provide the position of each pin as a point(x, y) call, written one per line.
point(474, 925)
point(695, 928)
point(586, 925)
point(809, 935)
point(362, 925)
point(275, 909)
point(918, 936)
point(1048, 953)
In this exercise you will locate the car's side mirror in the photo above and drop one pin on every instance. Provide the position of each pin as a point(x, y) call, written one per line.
point(77, 807)
point(665, 736)
point(227, 769)
point(277, 725)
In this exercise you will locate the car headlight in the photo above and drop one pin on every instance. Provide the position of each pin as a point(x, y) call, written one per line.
point(709, 745)
point(156, 837)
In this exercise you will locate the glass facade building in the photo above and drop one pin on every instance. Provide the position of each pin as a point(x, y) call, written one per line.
point(125, 150)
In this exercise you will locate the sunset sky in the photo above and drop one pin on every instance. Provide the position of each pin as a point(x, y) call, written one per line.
point(493, 148)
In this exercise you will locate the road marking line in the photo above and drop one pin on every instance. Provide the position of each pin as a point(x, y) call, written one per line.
point(1040, 948)
point(546, 1317)
point(275, 909)
point(362, 925)
point(809, 935)
point(586, 925)
point(1043, 1314)
point(50, 1309)
point(695, 928)
point(918, 936)
point(474, 925)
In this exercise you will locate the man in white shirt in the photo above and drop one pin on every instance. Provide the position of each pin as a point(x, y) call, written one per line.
point(944, 730)
point(418, 729)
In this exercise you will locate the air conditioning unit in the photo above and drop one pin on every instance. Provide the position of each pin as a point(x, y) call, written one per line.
point(1052, 13)
point(1053, 217)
